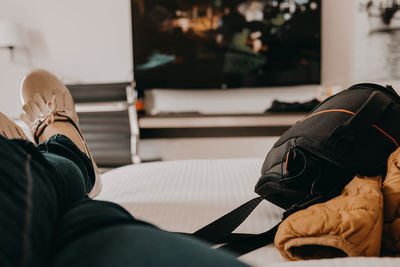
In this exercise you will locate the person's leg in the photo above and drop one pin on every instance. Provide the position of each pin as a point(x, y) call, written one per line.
point(49, 109)
point(73, 168)
point(93, 233)
point(35, 189)
point(30, 202)
point(102, 234)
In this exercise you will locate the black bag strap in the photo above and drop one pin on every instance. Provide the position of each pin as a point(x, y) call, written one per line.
point(247, 244)
point(221, 229)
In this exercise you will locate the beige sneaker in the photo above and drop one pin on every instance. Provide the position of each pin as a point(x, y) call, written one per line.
point(10, 129)
point(49, 109)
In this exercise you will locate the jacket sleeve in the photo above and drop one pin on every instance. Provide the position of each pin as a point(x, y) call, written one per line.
point(348, 225)
point(391, 211)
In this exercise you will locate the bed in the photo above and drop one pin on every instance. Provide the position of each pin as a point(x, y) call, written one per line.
point(186, 195)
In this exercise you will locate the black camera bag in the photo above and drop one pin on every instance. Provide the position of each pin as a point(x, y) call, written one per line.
point(352, 132)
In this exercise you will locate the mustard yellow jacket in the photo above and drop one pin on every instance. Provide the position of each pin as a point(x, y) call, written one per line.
point(364, 219)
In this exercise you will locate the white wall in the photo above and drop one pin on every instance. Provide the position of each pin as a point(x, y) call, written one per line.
point(81, 41)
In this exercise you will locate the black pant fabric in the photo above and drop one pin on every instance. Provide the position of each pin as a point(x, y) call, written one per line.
point(46, 218)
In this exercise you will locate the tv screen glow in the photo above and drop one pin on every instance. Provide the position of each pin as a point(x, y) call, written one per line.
point(226, 43)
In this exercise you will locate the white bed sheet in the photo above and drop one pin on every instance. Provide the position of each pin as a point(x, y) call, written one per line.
point(186, 195)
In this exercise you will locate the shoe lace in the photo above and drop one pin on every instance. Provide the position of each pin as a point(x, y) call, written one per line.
point(48, 115)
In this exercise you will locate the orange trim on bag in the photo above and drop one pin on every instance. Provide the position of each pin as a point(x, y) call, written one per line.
point(385, 133)
point(352, 113)
point(328, 110)
point(287, 159)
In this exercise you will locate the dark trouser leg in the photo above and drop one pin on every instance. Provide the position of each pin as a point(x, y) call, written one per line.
point(45, 216)
point(75, 181)
point(99, 233)
point(103, 234)
point(35, 189)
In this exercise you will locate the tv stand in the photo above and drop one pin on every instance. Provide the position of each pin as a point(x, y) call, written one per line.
point(193, 125)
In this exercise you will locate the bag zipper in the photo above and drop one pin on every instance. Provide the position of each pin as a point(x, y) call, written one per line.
point(327, 111)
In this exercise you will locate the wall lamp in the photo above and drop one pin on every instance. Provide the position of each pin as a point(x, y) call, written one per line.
point(11, 36)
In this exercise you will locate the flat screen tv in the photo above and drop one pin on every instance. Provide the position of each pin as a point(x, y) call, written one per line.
point(226, 43)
